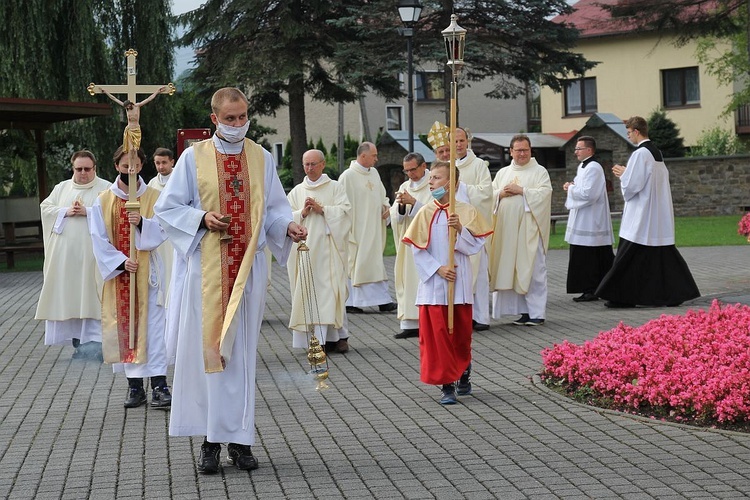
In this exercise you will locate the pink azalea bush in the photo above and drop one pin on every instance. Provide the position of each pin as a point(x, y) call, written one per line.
point(693, 366)
point(743, 227)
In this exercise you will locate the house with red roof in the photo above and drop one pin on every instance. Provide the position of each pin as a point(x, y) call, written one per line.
point(638, 71)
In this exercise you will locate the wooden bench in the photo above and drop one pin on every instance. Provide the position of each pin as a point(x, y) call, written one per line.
point(21, 243)
point(556, 217)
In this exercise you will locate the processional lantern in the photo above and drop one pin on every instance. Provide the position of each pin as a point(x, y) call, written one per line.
point(316, 356)
point(455, 41)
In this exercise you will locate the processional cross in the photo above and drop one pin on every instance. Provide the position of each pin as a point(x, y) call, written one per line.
point(131, 143)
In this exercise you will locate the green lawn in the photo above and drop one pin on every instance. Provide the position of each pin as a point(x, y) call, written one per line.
point(689, 232)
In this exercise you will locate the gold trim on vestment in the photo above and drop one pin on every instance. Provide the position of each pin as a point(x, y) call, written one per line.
point(218, 337)
point(110, 337)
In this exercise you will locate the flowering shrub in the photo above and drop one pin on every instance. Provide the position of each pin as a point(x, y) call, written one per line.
point(743, 227)
point(692, 366)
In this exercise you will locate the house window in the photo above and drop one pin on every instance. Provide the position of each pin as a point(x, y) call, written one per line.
point(394, 117)
point(580, 96)
point(681, 87)
point(429, 86)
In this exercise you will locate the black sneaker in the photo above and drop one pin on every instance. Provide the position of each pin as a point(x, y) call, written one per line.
point(522, 320)
point(463, 387)
point(136, 397)
point(241, 456)
point(448, 395)
point(161, 398)
point(208, 462)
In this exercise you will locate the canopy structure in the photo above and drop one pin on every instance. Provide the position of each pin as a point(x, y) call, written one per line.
point(38, 116)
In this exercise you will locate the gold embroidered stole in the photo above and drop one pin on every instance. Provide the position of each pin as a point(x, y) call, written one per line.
point(231, 185)
point(116, 292)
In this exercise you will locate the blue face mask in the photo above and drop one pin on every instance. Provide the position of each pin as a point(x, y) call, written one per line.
point(439, 193)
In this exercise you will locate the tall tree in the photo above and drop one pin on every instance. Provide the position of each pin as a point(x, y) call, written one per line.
point(70, 43)
point(335, 51)
point(278, 51)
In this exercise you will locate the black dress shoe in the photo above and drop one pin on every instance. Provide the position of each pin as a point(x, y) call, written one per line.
point(618, 305)
point(586, 297)
point(354, 310)
point(241, 456)
point(392, 306)
point(407, 333)
point(479, 327)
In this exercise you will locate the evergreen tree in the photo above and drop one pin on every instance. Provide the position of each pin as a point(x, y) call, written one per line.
point(665, 135)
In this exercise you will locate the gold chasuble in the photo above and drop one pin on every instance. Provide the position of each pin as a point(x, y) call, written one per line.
point(231, 185)
point(116, 293)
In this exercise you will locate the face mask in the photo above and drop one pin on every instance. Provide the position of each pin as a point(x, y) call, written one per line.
point(124, 178)
point(232, 134)
point(439, 193)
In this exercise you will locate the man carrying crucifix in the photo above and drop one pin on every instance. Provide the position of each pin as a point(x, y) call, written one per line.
point(110, 225)
point(131, 137)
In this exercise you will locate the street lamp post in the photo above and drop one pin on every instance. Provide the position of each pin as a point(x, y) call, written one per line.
point(409, 12)
point(455, 40)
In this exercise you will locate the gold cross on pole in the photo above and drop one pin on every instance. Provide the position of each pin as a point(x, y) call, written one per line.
point(131, 142)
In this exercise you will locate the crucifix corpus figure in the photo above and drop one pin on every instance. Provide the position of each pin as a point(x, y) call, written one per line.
point(131, 142)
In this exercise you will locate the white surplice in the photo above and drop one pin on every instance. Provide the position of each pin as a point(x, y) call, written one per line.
point(109, 258)
point(221, 405)
point(165, 250)
point(589, 222)
point(647, 217)
point(405, 277)
point(70, 300)
point(326, 239)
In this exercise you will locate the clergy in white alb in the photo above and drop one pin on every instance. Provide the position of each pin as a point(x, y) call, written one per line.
point(164, 163)
point(412, 195)
point(475, 175)
point(219, 324)
point(320, 204)
point(648, 269)
point(369, 214)
point(70, 300)
point(589, 229)
point(110, 233)
point(518, 270)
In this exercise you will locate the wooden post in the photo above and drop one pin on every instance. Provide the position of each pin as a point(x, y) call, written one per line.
point(452, 203)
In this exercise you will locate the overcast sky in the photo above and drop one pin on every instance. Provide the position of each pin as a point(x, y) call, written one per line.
point(183, 55)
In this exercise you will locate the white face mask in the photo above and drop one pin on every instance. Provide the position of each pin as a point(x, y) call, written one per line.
point(232, 134)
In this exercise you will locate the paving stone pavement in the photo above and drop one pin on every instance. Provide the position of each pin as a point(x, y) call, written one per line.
point(377, 431)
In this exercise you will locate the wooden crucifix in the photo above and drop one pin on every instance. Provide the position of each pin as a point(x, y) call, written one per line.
point(131, 142)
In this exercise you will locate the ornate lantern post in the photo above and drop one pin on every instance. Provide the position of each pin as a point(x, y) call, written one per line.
point(455, 41)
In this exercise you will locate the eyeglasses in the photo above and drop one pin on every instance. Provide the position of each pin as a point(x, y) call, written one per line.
point(83, 169)
point(580, 149)
point(311, 164)
point(409, 170)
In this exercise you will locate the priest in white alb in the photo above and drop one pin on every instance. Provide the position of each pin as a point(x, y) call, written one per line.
point(222, 206)
point(369, 213)
point(518, 255)
point(320, 204)
point(412, 195)
point(477, 182)
point(70, 302)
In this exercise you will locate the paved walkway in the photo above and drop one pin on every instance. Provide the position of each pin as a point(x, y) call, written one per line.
point(377, 432)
